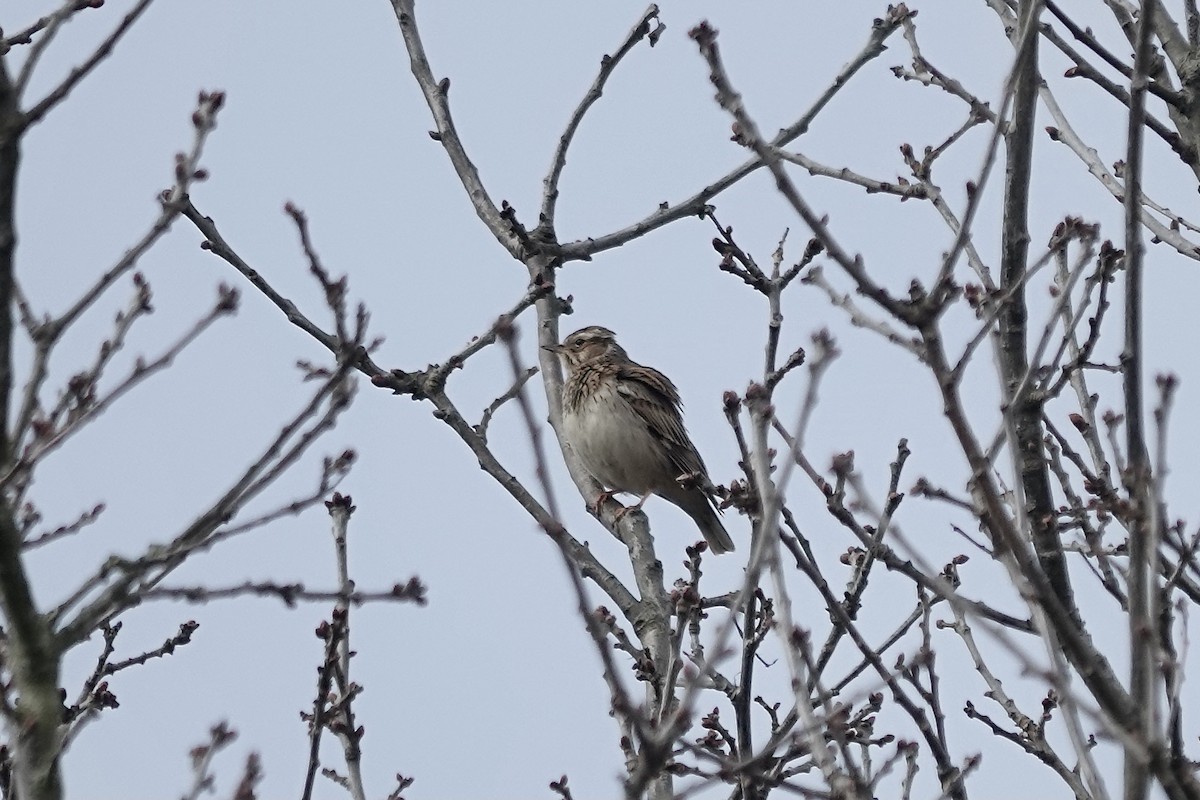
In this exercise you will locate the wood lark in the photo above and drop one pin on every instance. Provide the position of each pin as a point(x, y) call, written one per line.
point(624, 421)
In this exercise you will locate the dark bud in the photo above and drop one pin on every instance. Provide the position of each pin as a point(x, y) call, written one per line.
point(227, 298)
point(340, 500)
point(703, 34)
point(756, 391)
point(843, 463)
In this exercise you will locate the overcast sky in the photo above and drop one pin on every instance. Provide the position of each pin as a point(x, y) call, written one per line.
point(493, 689)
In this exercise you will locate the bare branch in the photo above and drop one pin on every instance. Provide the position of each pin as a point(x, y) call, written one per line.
point(608, 63)
point(290, 594)
point(62, 531)
point(47, 334)
point(25, 35)
point(86, 406)
point(584, 249)
point(121, 581)
point(494, 406)
point(60, 92)
point(437, 96)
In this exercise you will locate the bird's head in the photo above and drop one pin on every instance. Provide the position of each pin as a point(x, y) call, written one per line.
point(586, 345)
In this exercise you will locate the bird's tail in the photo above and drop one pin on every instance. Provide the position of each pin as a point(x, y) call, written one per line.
point(715, 534)
point(700, 509)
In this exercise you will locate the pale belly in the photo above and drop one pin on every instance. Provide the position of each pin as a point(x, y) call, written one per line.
point(613, 443)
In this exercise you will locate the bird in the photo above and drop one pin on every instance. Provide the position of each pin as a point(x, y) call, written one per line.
point(624, 420)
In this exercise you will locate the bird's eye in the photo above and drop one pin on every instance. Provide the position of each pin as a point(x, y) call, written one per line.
point(577, 345)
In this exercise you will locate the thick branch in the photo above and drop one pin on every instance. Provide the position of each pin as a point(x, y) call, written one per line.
point(1024, 415)
point(10, 156)
point(32, 656)
point(1143, 549)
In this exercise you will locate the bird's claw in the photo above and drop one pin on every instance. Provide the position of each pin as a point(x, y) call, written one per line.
point(601, 499)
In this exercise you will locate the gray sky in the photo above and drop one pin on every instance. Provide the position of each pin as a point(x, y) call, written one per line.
point(492, 689)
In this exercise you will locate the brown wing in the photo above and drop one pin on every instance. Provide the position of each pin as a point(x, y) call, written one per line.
point(656, 401)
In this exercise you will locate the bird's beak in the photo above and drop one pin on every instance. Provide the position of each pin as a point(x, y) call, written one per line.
point(556, 348)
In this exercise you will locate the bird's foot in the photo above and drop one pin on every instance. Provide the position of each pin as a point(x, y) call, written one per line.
point(601, 499)
point(635, 507)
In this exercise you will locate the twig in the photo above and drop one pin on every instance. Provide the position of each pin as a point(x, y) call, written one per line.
point(859, 318)
point(62, 531)
point(90, 408)
point(495, 405)
point(348, 733)
point(290, 594)
point(45, 335)
point(584, 249)
point(181, 638)
point(747, 132)
point(220, 736)
point(25, 35)
point(122, 578)
point(77, 74)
